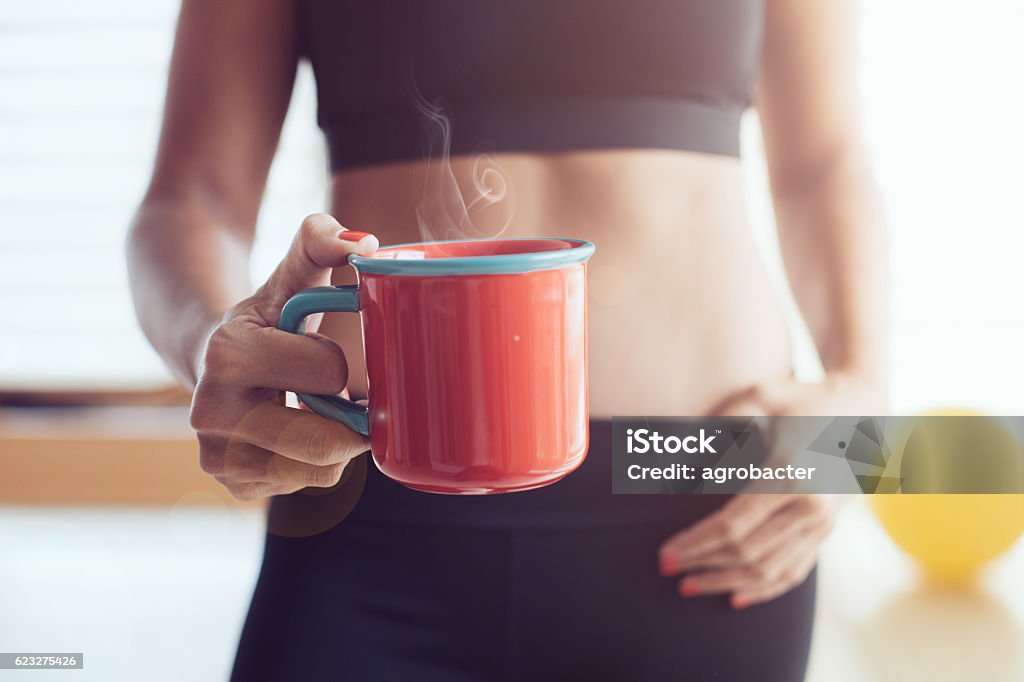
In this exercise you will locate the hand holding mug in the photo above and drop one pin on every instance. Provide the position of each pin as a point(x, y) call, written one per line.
point(248, 439)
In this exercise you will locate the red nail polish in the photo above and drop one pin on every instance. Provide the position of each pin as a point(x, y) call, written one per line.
point(689, 589)
point(353, 235)
point(740, 603)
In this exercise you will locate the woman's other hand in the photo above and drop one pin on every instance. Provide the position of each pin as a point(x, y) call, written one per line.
point(755, 548)
point(759, 546)
point(248, 439)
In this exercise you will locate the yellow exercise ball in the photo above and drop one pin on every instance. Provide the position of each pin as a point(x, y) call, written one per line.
point(953, 536)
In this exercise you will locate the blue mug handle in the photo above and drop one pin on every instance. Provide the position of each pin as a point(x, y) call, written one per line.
point(334, 299)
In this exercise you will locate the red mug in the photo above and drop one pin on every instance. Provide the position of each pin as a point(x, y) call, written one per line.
point(476, 360)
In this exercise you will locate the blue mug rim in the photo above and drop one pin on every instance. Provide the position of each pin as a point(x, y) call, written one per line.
point(501, 264)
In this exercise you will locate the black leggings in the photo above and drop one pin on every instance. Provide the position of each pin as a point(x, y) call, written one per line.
point(555, 584)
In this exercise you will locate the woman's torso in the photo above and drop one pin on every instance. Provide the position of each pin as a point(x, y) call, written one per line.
point(608, 121)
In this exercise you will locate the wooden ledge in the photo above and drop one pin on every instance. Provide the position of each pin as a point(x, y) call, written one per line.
point(103, 455)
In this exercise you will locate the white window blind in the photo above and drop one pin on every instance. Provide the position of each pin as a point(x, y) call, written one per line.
point(81, 93)
point(81, 86)
point(943, 83)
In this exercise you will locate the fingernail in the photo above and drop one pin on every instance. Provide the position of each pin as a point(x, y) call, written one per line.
point(353, 235)
point(670, 564)
point(365, 242)
point(740, 603)
point(689, 589)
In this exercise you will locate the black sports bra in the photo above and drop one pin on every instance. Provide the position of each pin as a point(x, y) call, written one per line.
point(535, 75)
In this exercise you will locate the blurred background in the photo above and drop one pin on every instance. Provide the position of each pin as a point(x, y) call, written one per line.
point(116, 545)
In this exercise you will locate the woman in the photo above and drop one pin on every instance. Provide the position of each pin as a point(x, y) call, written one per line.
point(613, 122)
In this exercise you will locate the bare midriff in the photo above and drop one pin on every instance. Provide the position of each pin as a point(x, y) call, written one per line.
point(681, 310)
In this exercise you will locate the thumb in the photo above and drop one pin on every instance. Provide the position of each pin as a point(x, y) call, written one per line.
point(320, 245)
point(765, 399)
point(745, 403)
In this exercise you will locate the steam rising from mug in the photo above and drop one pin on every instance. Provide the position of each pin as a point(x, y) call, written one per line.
point(443, 211)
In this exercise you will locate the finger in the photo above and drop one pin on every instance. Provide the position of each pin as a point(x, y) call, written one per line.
point(744, 403)
point(239, 462)
point(787, 523)
point(740, 408)
point(785, 568)
point(255, 491)
point(760, 400)
point(247, 463)
point(275, 359)
point(724, 528)
point(717, 582)
point(300, 435)
point(764, 551)
point(760, 559)
point(320, 245)
point(785, 526)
